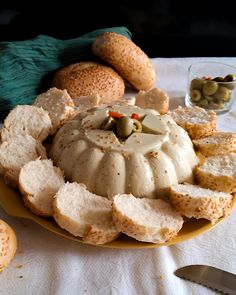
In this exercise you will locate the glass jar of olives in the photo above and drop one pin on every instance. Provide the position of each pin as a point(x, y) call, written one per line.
point(211, 85)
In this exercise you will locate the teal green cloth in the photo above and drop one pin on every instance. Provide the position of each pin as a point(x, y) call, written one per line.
point(27, 67)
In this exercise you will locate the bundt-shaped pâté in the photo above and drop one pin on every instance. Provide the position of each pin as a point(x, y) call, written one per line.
point(124, 149)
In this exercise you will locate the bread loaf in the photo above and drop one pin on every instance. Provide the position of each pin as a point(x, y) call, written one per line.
point(26, 119)
point(39, 181)
point(8, 244)
point(147, 220)
point(194, 201)
point(87, 78)
point(218, 173)
point(58, 104)
point(195, 120)
point(84, 214)
point(127, 58)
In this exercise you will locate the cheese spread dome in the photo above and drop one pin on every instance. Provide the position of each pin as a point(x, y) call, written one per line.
point(145, 164)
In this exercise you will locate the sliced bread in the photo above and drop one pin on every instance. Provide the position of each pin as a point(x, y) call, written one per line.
point(58, 104)
point(84, 214)
point(39, 181)
point(218, 173)
point(147, 220)
point(194, 201)
point(155, 98)
point(8, 244)
point(16, 153)
point(195, 120)
point(216, 144)
point(26, 119)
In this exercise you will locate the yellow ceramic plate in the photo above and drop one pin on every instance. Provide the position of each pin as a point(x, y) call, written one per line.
point(11, 202)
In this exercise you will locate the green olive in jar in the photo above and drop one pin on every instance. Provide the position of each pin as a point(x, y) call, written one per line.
point(203, 103)
point(195, 95)
point(231, 81)
point(222, 93)
point(197, 83)
point(210, 87)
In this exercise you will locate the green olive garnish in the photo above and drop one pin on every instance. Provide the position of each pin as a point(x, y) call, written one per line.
point(108, 124)
point(124, 127)
point(137, 126)
point(230, 78)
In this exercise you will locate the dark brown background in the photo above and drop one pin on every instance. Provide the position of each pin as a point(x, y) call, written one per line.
point(161, 28)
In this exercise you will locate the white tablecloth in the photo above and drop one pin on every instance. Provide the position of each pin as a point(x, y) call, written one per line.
point(48, 264)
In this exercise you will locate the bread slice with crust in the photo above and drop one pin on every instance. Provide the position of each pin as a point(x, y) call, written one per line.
point(26, 119)
point(39, 181)
point(155, 98)
point(84, 214)
point(16, 153)
point(218, 173)
point(195, 120)
point(194, 201)
point(147, 220)
point(216, 144)
point(8, 244)
point(58, 104)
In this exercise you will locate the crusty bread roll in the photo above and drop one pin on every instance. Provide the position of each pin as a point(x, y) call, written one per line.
point(8, 244)
point(87, 78)
point(39, 181)
point(58, 104)
point(26, 119)
point(216, 144)
point(194, 201)
point(155, 98)
point(195, 120)
point(127, 58)
point(84, 214)
point(16, 153)
point(218, 173)
point(147, 220)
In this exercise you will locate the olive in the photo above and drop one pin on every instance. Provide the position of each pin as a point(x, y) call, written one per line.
point(218, 79)
point(108, 124)
point(210, 87)
point(124, 127)
point(216, 106)
point(203, 103)
point(137, 127)
point(195, 95)
point(222, 93)
point(197, 83)
point(230, 78)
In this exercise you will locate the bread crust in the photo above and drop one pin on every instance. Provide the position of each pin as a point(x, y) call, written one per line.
point(58, 104)
point(127, 58)
point(196, 130)
point(127, 224)
point(223, 182)
point(209, 204)
point(26, 119)
point(87, 78)
point(8, 244)
point(216, 144)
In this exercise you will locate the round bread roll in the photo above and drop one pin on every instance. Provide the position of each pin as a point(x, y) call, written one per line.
point(87, 78)
point(127, 58)
point(8, 244)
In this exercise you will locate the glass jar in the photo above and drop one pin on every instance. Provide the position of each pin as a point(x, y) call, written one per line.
point(212, 86)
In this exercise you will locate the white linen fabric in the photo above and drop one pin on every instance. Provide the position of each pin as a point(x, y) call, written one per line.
point(47, 264)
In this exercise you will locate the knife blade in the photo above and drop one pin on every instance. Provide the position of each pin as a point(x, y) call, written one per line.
point(210, 277)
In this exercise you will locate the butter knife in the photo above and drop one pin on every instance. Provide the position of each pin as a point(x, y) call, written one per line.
point(210, 277)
